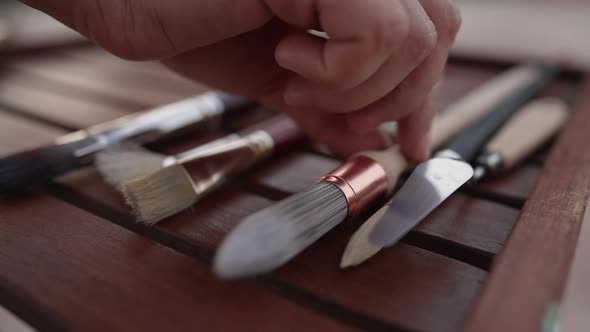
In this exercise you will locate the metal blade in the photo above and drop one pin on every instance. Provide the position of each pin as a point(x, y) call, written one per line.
point(428, 186)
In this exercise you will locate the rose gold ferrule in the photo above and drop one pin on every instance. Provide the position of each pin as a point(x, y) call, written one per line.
point(362, 180)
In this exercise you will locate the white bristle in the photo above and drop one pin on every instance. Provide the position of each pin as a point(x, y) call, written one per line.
point(124, 163)
point(160, 194)
point(269, 238)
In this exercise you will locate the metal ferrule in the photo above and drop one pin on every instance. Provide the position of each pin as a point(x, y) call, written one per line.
point(204, 109)
point(448, 154)
point(491, 160)
point(362, 180)
point(251, 147)
point(212, 167)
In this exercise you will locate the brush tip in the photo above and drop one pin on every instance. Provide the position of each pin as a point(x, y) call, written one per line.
point(269, 238)
point(160, 194)
point(123, 163)
point(258, 245)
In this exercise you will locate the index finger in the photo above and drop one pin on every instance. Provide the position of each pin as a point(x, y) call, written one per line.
point(363, 34)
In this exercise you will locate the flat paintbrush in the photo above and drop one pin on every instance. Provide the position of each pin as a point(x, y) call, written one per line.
point(127, 162)
point(272, 236)
point(169, 188)
point(77, 149)
point(431, 183)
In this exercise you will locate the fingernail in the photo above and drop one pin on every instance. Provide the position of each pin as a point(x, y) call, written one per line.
point(430, 27)
point(425, 149)
point(282, 56)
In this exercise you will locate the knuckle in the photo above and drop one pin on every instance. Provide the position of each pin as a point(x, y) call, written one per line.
point(391, 31)
point(117, 36)
point(420, 44)
point(341, 78)
point(453, 21)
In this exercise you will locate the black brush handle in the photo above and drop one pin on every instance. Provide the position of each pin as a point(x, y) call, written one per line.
point(233, 102)
point(24, 169)
point(469, 142)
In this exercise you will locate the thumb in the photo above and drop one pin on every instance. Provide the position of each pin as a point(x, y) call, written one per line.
point(153, 29)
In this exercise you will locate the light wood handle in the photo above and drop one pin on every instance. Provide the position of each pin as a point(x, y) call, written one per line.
point(458, 116)
point(528, 129)
point(479, 102)
point(392, 161)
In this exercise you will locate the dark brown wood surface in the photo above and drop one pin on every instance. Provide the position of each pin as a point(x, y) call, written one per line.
point(84, 273)
point(529, 275)
point(77, 242)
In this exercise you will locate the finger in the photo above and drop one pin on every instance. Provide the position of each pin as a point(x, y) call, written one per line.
point(351, 55)
point(411, 94)
point(150, 29)
point(413, 132)
point(418, 44)
point(332, 131)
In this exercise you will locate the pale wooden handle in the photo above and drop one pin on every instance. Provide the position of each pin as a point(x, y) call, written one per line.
point(528, 129)
point(477, 103)
point(392, 161)
point(458, 116)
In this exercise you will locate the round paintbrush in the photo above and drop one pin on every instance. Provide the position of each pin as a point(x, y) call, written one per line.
point(271, 237)
point(169, 188)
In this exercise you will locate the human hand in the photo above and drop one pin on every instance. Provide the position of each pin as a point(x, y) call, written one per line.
point(380, 63)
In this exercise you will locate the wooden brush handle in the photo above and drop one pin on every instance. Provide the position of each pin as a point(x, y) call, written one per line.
point(284, 132)
point(392, 161)
point(479, 102)
point(530, 127)
point(458, 116)
point(473, 139)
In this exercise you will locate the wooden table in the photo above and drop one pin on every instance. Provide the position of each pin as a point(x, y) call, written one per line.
point(72, 258)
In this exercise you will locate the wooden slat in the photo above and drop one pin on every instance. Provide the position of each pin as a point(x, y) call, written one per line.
point(100, 80)
point(24, 93)
point(573, 315)
point(459, 78)
point(290, 174)
point(405, 286)
point(514, 184)
point(533, 267)
point(146, 69)
point(17, 133)
point(88, 274)
point(425, 291)
point(474, 223)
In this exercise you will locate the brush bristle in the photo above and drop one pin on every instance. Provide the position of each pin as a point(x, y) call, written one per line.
point(359, 247)
point(160, 194)
point(271, 237)
point(124, 163)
